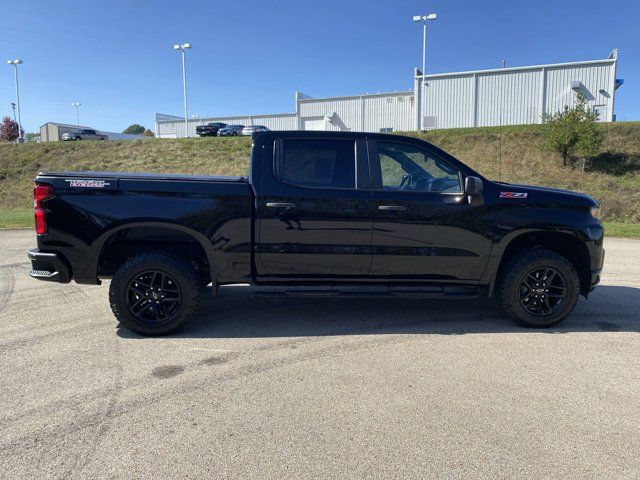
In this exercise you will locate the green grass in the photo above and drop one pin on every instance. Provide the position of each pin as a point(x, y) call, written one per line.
point(624, 230)
point(16, 217)
point(511, 154)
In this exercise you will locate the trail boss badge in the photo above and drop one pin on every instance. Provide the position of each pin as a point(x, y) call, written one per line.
point(513, 195)
point(88, 183)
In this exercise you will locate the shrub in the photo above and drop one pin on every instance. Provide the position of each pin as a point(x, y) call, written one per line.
point(573, 133)
point(134, 129)
point(8, 130)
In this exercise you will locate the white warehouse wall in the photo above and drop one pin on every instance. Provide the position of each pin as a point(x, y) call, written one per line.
point(507, 96)
point(514, 96)
point(361, 113)
point(176, 128)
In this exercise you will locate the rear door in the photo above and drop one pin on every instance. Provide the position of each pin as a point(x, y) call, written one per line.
point(312, 219)
point(424, 227)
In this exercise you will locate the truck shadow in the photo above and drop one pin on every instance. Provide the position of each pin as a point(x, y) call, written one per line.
point(237, 313)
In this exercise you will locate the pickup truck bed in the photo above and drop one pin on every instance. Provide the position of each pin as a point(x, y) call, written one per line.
point(141, 199)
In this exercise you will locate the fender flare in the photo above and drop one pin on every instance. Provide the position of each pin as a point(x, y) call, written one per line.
point(497, 251)
point(98, 244)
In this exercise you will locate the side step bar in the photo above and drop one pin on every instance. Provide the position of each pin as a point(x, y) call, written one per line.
point(444, 292)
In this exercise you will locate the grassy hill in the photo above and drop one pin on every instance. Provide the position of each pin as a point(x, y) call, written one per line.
point(510, 154)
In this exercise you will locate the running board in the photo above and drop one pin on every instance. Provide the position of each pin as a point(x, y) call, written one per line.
point(446, 292)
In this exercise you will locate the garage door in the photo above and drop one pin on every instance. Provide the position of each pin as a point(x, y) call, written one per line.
point(315, 123)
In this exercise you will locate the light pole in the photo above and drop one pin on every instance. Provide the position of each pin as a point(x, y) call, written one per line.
point(77, 105)
point(423, 19)
point(182, 49)
point(15, 64)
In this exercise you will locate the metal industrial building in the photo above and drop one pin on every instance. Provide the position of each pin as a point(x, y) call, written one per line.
point(52, 132)
point(505, 96)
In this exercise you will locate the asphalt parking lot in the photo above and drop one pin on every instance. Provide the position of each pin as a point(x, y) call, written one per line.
point(290, 388)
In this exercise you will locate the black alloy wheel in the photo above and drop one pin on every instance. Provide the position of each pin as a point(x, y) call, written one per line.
point(542, 291)
point(154, 293)
point(153, 296)
point(537, 288)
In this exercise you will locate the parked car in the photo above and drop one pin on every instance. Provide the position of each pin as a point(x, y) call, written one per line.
point(210, 129)
point(84, 134)
point(254, 129)
point(352, 210)
point(230, 130)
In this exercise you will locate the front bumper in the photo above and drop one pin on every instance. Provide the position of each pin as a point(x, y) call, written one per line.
point(596, 273)
point(595, 279)
point(47, 266)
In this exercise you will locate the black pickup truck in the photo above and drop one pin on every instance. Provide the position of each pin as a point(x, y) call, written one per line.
point(210, 129)
point(329, 213)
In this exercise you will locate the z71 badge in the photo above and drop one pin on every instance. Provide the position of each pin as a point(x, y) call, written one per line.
point(513, 195)
point(88, 183)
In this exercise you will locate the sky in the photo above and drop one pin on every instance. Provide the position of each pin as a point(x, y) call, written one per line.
point(251, 56)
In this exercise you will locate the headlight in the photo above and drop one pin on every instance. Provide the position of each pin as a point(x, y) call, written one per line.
point(595, 212)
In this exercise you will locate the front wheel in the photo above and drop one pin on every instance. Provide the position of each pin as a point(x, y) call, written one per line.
point(538, 288)
point(154, 293)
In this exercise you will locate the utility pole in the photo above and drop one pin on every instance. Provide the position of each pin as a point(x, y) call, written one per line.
point(15, 64)
point(183, 47)
point(423, 18)
point(77, 105)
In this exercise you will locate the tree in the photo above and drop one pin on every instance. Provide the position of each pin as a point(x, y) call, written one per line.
point(573, 132)
point(9, 130)
point(134, 129)
point(149, 133)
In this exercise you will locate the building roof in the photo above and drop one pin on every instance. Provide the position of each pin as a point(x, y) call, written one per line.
point(612, 58)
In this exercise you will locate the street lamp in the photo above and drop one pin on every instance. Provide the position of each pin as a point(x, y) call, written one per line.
point(77, 105)
point(15, 64)
point(424, 19)
point(182, 49)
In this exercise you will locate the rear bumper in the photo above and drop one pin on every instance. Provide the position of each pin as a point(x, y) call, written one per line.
point(47, 266)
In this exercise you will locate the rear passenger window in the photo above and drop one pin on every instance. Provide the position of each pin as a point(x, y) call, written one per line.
point(318, 163)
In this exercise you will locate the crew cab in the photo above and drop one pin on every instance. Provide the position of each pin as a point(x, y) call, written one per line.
point(210, 129)
point(84, 134)
point(330, 213)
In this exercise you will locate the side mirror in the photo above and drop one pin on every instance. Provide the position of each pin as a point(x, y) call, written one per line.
point(472, 186)
point(473, 190)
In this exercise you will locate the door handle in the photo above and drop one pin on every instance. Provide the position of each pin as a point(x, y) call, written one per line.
point(392, 208)
point(280, 205)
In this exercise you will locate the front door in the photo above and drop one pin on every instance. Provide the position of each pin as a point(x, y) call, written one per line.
point(424, 227)
point(313, 222)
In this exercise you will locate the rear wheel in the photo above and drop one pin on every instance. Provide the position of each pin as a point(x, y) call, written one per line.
point(538, 288)
point(154, 293)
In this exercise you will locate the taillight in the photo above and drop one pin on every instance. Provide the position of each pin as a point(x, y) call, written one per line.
point(40, 193)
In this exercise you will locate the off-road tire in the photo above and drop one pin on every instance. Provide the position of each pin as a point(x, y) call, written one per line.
point(512, 276)
point(177, 268)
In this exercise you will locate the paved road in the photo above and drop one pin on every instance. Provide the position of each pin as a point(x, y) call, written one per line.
point(264, 388)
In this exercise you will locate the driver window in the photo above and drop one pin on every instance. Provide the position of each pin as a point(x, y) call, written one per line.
point(405, 167)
